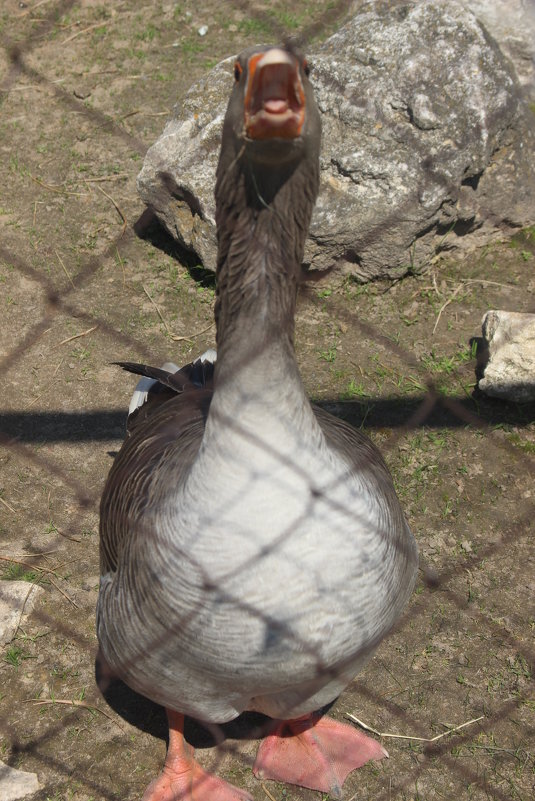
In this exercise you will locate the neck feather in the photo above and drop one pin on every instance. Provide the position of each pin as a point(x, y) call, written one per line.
point(262, 218)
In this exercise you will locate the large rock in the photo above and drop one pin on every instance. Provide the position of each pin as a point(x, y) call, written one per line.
point(512, 24)
point(424, 141)
point(510, 370)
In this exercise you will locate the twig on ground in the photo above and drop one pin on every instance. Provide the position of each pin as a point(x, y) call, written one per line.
point(130, 114)
point(41, 570)
point(409, 736)
point(435, 287)
point(462, 285)
point(449, 300)
point(77, 336)
point(103, 178)
point(121, 262)
point(34, 400)
point(7, 505)
point(117, 208)
point(64, 268)
point(486, 281)
point(66, 536)
point(28, 565)
point(63, 593)
point(32, 8)
point(85, 30)
point(30, 588)
point(265, 789)
point(174, 337)
point(37, 553)
point(35, 211)
point(39, 87)
point(66, 562)
point(80, 704)
point(145, 113)
point(196, 334)
point(511, 751)
point(59, 189)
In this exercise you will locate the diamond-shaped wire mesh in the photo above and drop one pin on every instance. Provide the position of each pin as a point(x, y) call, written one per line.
point(84, 90)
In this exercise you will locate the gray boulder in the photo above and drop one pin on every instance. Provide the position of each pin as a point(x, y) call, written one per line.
point(510, 370)
point(424, 140)
point(512, 24)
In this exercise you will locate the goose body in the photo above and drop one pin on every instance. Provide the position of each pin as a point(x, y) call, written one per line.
point(253, 550)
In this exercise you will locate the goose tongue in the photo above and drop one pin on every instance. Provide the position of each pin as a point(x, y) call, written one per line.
point(274, 96)
point(273, 106)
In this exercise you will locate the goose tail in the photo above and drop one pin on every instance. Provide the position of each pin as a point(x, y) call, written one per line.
point(169, 376)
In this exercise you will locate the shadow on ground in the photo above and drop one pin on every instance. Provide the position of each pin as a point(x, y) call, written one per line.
point(149, 717)
point(373, 413)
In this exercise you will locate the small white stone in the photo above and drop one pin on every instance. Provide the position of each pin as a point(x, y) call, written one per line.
point(16, 783)
point(203, 30)
point(16, 600)
point(510, 371)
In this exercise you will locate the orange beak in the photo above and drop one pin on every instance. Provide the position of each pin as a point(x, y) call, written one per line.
point(274, 96)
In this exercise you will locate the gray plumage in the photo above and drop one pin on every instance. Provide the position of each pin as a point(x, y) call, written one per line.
point(253, 550)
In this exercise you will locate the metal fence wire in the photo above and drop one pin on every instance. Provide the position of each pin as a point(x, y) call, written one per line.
point(82, 286)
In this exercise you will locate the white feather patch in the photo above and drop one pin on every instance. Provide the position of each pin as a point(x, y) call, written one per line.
point(145, 384)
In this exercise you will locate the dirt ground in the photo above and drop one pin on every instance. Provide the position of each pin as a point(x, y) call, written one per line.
point(89, 91)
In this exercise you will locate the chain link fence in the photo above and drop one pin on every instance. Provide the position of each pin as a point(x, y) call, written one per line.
point(463, 653)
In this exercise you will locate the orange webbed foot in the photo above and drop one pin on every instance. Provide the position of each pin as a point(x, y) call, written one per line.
point(182, 778)
point(318, 754)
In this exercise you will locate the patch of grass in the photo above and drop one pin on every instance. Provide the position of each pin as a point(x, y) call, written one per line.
point(81, 353)
point(63, 673)
point(520, 667)
point(288, 20)
point(524, 445)
point(16, 572)
point(51, 528)
point(190, 47)
point(354, 390)
point(258, 27)
point(100, 32)
point(328, 355)
point(14, 656)
point(148, 34)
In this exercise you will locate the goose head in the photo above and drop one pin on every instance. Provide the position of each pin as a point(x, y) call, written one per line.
point(267, 177)
point(272, 122)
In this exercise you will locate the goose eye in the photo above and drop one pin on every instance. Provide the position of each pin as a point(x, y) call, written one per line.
point(237, 70)
point(306, 67)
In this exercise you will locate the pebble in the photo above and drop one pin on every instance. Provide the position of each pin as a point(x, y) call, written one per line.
point(16, 599)
point(16, 783)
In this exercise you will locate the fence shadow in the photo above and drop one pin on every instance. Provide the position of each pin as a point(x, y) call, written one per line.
point(371, 413)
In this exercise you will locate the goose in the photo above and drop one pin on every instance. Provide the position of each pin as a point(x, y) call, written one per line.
point(253, 550)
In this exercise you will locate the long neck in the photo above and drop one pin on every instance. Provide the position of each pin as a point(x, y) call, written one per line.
point(262, 217)
point(260, 417)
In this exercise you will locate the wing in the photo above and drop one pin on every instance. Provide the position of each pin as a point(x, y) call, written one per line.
point(365, 460)
point(169, 423)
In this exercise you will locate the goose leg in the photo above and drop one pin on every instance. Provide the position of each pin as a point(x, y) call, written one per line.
point(182, 778)
point(313, 752)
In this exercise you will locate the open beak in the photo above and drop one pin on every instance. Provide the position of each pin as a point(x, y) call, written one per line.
point(274, 96)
